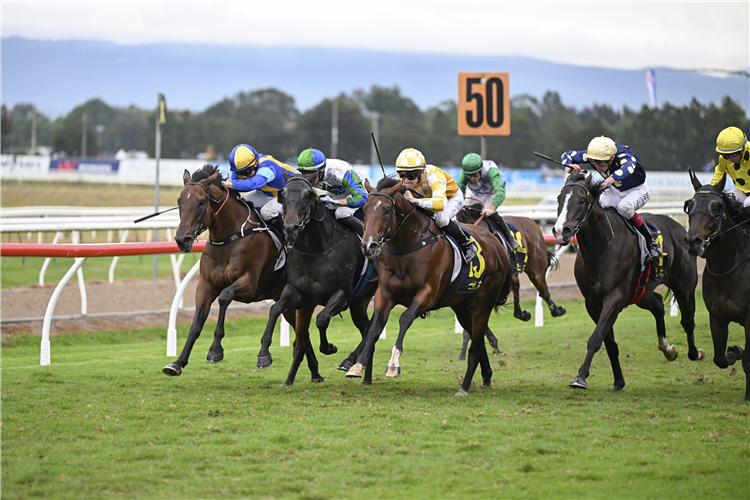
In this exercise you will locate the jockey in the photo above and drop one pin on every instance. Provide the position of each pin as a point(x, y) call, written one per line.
point(337, 177)
point(262, 175)
point(481, 179)
point(624, 180)
point(734, 160)
point(440, 194)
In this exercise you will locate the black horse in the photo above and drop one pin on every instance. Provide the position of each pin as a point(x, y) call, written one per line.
point(324, 267)
point(608, 271)
point(719, 232)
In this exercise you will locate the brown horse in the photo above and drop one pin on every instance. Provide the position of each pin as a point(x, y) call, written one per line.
point(538, 259)
point(719, 232)
point(607, 271)
point(237, 263)
point(415, 271)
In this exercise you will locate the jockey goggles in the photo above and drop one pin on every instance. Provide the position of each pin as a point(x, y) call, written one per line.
point(409, 175)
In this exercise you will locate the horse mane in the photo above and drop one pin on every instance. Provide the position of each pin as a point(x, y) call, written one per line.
point(205, 172)
point(734, 206)
point(387, 182)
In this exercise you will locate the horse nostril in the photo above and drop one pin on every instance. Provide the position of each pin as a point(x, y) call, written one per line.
point(567, 232)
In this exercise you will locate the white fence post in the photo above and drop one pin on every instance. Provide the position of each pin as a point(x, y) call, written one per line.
point(45, 351)
point(172, 328)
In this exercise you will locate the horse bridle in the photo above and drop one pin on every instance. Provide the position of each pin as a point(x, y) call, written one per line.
point(384, 238)
point(591, 203)
point(716, 219)
point(202, 228)
point(306, 209)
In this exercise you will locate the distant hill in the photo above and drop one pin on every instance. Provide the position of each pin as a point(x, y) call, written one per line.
point(59, 75)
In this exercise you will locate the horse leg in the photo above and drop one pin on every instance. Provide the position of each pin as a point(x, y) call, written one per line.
point(335, 305)
point(462, 354)
point(719, 335)
point(540, 283)
point(614, 358)
point(515, 285)
point(289, 299)
point(216, 351)
point(686, 301)
point(358, 312)
point(404, 322)
point(652, 302)
point(204, 296)
point(492, 340)
point(604, 316)
point(383, 307)
point(746, 361)
point(478, 349)
point(302, 347)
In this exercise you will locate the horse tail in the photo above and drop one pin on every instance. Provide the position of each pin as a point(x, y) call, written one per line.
point(504, 291)
point(552, 262)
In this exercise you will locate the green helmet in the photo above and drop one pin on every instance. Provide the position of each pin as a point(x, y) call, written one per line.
point(471, 164)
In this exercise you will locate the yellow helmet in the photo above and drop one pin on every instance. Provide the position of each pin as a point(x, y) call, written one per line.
point(730, 140)
point(410, 160)
point(601, 148)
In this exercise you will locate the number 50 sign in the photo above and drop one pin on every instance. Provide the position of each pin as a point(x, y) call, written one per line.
point(483, 104)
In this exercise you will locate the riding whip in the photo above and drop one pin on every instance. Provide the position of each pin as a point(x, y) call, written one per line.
point(154, 215)
point(372, 134)
point(552, 160)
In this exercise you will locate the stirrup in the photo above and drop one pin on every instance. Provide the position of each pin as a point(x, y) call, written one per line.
point(468, 252)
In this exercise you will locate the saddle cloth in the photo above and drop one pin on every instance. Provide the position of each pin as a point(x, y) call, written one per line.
point(471, 275)
point(658, 270)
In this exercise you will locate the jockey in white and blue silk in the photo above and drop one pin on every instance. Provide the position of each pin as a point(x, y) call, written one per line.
point(262, 176)
point(624, 180)
point(338, 177)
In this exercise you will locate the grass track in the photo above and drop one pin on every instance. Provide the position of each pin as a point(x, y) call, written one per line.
point(103, 421)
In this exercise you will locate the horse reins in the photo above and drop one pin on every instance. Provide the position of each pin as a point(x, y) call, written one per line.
point(383, 239)
point(591, 202)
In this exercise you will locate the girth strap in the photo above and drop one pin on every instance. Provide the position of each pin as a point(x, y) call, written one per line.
point(415, 246)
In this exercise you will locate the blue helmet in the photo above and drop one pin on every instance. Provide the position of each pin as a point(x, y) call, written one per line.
point(243, 157)
point(311, 160)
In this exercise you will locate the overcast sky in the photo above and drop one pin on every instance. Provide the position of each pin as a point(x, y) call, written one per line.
point(624, 35)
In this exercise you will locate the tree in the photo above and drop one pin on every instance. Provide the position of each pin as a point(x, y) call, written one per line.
point(314, 129)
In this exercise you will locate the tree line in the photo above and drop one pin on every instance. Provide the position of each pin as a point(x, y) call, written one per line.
point(665, 138)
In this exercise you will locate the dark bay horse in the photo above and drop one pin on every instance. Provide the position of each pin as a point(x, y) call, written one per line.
point(607, 270)
point(415, 271)
point(539, 258)
point(720, 233)
point(324, 267)
point(237, 264)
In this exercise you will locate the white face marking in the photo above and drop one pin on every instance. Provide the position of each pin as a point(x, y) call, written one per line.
point(377, 204)
point(188, 197)
point(563, 217)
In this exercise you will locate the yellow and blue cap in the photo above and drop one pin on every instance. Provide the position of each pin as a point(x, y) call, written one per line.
point(243, 157)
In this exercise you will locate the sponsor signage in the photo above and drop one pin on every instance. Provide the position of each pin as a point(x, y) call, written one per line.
point(87, 166)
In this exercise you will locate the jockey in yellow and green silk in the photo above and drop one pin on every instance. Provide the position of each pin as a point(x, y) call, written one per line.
point(483, 181)
point(440, 194)
point(734, 159)
point(624, 181)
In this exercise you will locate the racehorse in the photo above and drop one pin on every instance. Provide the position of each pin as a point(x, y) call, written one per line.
point(416, 270)
point(324, 267)
point(607, 270)
point(718, 233)
point(539, 259)
point(236, 264)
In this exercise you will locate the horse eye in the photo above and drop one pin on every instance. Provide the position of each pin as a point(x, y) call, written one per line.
point(202, 202)
point(687, 207)
point(715, 208)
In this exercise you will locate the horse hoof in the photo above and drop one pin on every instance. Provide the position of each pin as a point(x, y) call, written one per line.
point(579, 383)
point(345, 365)
point(332, 349)
point(264, 361)
point(317, 380)
point(461, 392)
point(558, 311)
point(618, 387)
point(462, 357)
point(393, 371)
point(671, 353)
point(172, 369)
point(286, 384)
point(524, 316)
point(701, 355)
point(215, 357)
point(355, 371)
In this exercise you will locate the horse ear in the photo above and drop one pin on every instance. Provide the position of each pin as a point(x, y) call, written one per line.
point(719, 187)
point(212, 178)
point(368, 186)
point(186, 177)
point(286, 175)
point(694, 180)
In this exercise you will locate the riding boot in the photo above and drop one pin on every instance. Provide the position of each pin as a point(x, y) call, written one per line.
point(468, 248)
point(354, 224)
point(653, 249)
point(504, 230)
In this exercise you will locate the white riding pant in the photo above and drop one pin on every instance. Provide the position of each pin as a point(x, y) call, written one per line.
point(626, 202)
point(486, 199)
point(741, 196)
point(269, 207)
point(344, 212)
point(450, 210)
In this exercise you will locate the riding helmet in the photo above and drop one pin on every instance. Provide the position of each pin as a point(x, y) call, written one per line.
point(601, 148)
point(410, 159)
point(311, 160)
point(471, 164)
point(243, 157)
point(730, 140)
